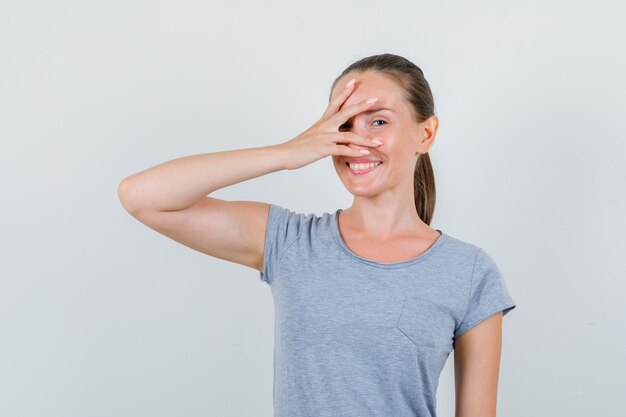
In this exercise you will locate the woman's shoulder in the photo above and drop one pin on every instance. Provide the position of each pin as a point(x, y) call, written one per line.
point(289, 213)
point(458, 247)
point(467, 252)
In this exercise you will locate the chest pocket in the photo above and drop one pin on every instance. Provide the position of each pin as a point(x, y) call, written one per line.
point(426, 323)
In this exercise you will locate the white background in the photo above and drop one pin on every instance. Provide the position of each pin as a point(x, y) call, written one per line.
point(102, 316)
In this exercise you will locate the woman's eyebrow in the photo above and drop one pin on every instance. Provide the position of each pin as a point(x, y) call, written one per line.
point(378, 109)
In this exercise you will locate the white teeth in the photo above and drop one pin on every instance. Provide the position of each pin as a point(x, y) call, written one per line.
point(361, 167)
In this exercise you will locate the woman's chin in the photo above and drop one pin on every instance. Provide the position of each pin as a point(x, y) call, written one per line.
point(362, 189)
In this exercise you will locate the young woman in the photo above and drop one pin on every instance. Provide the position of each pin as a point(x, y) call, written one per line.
point(370, 300)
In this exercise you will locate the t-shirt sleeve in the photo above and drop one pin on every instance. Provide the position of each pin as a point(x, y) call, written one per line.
point(488, 293)
point(282, 229)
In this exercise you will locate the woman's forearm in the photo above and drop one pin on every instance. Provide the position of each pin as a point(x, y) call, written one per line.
point(182, 182)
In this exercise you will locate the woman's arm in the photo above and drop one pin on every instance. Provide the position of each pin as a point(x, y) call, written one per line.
point(171, 198)
point(476, 368)
point(182, 182)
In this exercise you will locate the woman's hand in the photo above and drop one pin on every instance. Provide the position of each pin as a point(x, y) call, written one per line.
point(324, 138)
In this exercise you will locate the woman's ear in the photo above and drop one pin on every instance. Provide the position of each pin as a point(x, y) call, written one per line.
point(429, 130)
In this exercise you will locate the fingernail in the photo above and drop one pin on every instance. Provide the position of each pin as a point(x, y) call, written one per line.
point(350, 83)
point(377, 141)
point(364, 150)
point(371, 100)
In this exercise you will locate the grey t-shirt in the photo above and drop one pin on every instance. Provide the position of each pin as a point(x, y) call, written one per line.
point(357, 338)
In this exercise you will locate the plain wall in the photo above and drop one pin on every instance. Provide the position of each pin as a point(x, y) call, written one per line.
point(102, 316)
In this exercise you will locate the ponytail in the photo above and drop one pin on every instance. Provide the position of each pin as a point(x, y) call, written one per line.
point(424, 188)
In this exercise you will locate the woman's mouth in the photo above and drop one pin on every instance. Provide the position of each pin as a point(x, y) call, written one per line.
point(362, 168)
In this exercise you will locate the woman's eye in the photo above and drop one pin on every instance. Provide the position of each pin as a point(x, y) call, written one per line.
point(347, 125)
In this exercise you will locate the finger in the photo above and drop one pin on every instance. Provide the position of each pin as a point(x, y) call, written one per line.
point(344, 150)
point(354, 139)
point(346, 113)
point(335, 104)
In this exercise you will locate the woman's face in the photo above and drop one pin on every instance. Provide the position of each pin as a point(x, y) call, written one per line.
point(396, 126)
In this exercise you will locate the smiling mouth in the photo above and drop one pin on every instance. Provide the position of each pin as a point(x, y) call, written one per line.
point(358, 169)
